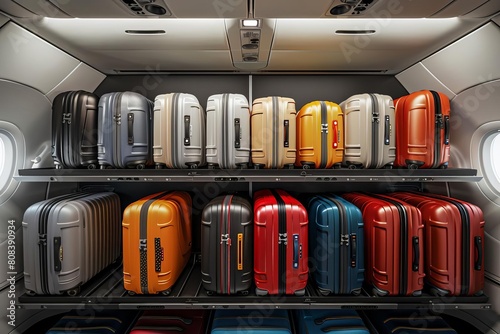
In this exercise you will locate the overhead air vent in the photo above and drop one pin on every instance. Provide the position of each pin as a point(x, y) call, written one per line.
point(147, 7)
point(355, 32)
point(350, 7)
point(250, 39)
point(146, 32)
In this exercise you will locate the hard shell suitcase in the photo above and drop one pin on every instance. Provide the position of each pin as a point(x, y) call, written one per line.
point(251, 322)
point(156, 242)
point(369, 130)
point(454, 243)
point(124, 130)
point(320, 135)
point(84, 324)
point(171, 322)
point(408, 322)
point(228, 131)
point(74, 130)
point(423, 130)
point(227, 245)
point(68, 240)
point(336, 241)
point(393, 244)
point(273, 126)
point(179, 131)
point(280, 244)
point(330, 321)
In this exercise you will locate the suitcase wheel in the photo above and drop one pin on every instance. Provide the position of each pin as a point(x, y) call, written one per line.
point(192, 165)
point(30, 293)
point(337, 166)
point(479, 293)
point(210, 293)
point(438, 292)
point(131, 293)
point(91, 166)
point(356, 292)
point(290, 166)
point(412, 166)
point(59, 166)
point(244, 293)
point(444, 166)
point(212, 166)
point(307, 165)
point(352, 166)
point(378, 292)
point(242, 166)
point(258, 166)
point(73, 292)
point(388, 166)
point(159, 166)
point(140, 166)
point(300, 292)
point(166, 292)
point(417, 293)
point(324, 292)
point(260, 292)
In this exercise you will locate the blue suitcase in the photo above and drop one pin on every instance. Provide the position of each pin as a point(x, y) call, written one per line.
point(336, 245)
point(251, 322)
point(86, 324)
point(409, 322)
point(330, 321)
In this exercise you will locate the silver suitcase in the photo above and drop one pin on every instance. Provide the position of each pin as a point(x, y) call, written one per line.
point(228, 131)
point(179, 131)
point(124, 130)
point(68, 240)
point(369, 130)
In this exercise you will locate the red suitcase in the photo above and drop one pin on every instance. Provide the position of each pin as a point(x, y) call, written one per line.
point(393, 244)
point(280, 244)
point(171, 322)
point(454, 247)
point(422, 130)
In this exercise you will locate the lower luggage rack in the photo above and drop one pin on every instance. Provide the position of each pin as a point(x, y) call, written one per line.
point(106, 291)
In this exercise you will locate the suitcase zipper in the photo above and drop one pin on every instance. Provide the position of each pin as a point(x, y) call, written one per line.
point(438, 125)
point(275, 132)
point(225, 131)
point(344, 247)
point(324, 135)
point(174, 133)
point(225, 248)
point(282, 243)
point(375, 135)
point(66, 123)
point(117, 138)
point(404, 249)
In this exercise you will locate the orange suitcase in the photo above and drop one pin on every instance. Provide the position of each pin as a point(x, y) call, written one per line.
point(156, 242)
point(320, 135)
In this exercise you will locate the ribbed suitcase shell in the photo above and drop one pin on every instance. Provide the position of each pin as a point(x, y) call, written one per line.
point(408, 322)
point(423, 136)
point(369, 130)
point(179, 131)
point(251, 322)
point(320, 135)
point(68, 240)
point(454, 243)
point(171, 322)
point(227, 245)
point(273, 125)
point(393, 244)
point(228, 131)
point(95, 325)
point(330, 321)
point(124, 130)
point(280, 244)
point(74, 130)
point(156, 241)
point(336, 245)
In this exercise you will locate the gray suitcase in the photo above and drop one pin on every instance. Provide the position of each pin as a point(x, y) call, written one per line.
point(369, 130)
point(68, 240)
point(179, 131)
point(228, 131)
point(124, 130)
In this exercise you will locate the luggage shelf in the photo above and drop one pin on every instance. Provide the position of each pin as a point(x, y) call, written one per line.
point(248, 175)
point(106, 291)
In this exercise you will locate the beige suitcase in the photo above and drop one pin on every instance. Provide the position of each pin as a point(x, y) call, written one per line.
point(273, 129)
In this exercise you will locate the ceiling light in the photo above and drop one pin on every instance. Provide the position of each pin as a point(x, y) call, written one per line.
point(250, 23)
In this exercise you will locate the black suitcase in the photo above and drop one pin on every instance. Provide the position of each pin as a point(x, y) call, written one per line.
point(227, 245)
point(74, 130)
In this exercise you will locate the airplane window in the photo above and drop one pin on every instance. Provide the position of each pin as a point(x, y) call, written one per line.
point(2, 155)
point(495, 155)
point(7, 162)
point(491, 161)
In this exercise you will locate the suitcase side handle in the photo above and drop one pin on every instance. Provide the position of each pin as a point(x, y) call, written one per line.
point(296, 251)
point(187, 125)
point(416, 254)
point(158, 255)
point(354, 248)
point(478, 244)
point(335, 126)
point(287, 133)
point(387, 130)
point(130, 121)
point(237, 130)
point(58, 254)
point(240, 251)
point(447, 130)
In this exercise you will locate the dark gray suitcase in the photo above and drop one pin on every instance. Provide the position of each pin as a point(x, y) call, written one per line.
point(125, 130)
point(68, 240)
point(228, 131)
point(227, 245)
point(74, 130)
